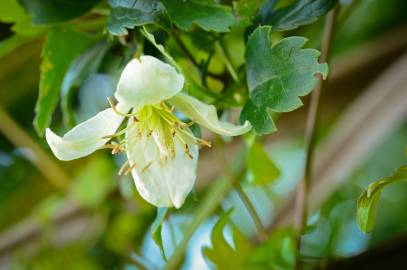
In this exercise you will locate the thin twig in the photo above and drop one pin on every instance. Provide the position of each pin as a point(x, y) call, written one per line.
point(226, 59)
point(252, 211)
point(191, 58)
point(311, 128)
point(261, 236)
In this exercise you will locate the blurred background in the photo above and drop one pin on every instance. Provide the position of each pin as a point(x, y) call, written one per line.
point(82, 215)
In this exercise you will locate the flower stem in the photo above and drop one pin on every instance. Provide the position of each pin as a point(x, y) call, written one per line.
point(311, 128)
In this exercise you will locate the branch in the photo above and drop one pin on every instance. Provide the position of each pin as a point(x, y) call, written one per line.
point(311, 128)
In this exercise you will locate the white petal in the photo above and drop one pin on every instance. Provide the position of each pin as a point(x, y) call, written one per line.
point(165, 183)
point(206, 115)
point(86, 137)
point(147, 81)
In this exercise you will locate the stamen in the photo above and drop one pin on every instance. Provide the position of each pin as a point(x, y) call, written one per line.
point(119, 133)
point(123, 167)
point(109, 99)
point(116, 150)
point(204, 143)
point(187, 151)
point(146, 167)
point(130, 169)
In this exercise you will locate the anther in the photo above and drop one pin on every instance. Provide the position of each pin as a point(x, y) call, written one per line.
point(116, 150)
point(187, 151)
point(130, 169)
point(204, 143)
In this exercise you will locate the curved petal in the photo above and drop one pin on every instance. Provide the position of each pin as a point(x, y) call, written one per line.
point(206, 115)
point(147, 81)
point(161, 182)
point(86, 137)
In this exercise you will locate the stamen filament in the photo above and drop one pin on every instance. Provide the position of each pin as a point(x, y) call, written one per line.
point(109, 99)
point(146, 167)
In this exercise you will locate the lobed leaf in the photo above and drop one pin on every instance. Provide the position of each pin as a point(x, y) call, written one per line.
point(278, 252)
point(368, 200)
point(129, 14)
point(277, 76)
point(221, 253)
point(12, 12)
point(206, 14)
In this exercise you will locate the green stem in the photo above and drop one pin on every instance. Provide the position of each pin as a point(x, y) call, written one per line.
point(252, 211)
point(223, 54)
point(311, 128)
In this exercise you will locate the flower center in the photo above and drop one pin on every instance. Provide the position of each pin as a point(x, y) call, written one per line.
point(157, 123)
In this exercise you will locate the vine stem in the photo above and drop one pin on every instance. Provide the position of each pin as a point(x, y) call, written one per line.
point(252, 212)
point(261, 230)
point(311, 128)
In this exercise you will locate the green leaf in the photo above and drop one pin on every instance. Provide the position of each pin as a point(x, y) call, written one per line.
point(156, 229)
point(128, 14)
point(60, 49)
point(83, 66)
point(206, 14)
point(368, 200)
point(259, 164)
point(299, 13)
point(279, 252)
point(221, 253)
point(12, 12)
point(53, 11)
point(277, 76)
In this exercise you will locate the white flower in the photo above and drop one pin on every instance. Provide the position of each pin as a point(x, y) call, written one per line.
point(162, 152)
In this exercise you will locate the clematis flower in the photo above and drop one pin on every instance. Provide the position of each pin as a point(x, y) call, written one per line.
point(162, 152)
